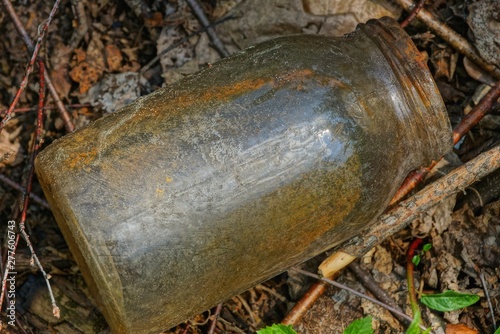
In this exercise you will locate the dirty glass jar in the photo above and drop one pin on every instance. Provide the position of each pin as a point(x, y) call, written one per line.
point(198, 191)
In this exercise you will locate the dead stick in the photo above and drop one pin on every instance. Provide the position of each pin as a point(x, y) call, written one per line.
point(399, 217)
point(477, 113)
point(470, 120)
point(16, 186)
point(410, 209)
point(216, 314)
point(307, 300)
point(20, 28)
point(417, 8)
point(200, 15)
point(367, 279)
point(357, 293)
point(449, 35)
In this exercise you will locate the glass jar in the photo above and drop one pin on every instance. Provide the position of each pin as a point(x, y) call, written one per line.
point(202, 189)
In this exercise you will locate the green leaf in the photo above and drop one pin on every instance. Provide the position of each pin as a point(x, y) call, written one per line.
point(449, 300)
point(427, 247)
point(416, 260)
point(497, 331)
point(360, 326)
point(277, 329)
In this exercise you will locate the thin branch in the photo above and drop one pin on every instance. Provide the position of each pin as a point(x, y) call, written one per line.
point(367, 279)
point(15, 18)
point(304, 304)
point(468, 121)
point(410, 209)
point(200, 15)
point(449, 35)
point(216, 314)
point(417, 8)
point(477, 113)
point(357, 293)
point(29, 68)
point(183, 40)
point(16, 186)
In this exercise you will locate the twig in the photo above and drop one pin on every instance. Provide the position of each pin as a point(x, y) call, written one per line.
point(449, 35)
point(408, 210)
point(354, 292)
point(410, 275)
point(488, 299)
point(305, 303)
point(370, 283)
point(28, 109)
point(200, 15)
point(476, 114)
point(63, 113)
point(413, 13)
point(16, 186)
point(183, 40)
point(29, 68)
point(216, 314)
point(37, 142)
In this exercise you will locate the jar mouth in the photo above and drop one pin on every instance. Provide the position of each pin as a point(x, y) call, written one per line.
point(421, 93)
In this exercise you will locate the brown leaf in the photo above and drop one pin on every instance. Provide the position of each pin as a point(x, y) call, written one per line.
point(459, 329)
point(113, 57)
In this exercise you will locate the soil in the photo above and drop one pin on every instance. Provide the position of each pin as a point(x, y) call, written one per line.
point(94, 52)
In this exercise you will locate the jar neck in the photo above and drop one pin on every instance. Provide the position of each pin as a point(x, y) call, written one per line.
point(424, 114)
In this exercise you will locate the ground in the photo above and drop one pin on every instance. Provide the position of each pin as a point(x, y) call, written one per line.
point(93, 52)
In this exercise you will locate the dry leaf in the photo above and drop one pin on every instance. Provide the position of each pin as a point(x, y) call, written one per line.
point(459, 329)
point(113, 58)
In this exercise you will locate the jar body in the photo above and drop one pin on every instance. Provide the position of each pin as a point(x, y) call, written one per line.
point(201, 190)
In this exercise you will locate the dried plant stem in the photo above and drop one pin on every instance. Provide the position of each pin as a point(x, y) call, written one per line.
point(305, 303)
point(417, 8)
point(408, 210)
point(216, 314)
point(16, 186)
point(449, 35)
point(468, 121)
point(200, 15)
point(477, 113)
point(37, 141)
point(63, 113)
point(357, 293)
point(367, 279)
point(400, 215)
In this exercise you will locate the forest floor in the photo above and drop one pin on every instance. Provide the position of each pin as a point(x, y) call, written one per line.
point(94, 52)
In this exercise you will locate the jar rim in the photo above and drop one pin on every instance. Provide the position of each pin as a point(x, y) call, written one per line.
point(422, 95)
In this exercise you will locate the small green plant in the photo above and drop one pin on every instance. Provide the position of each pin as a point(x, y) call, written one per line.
point(449, 300)
point(416, 258)
point(277, 329)
point(360, 326)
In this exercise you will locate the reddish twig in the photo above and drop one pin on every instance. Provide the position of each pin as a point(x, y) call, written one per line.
point(413, 13)
point(218, 309)
point(402, 214)
point(30, 66)
point(456, 41)
point(16, 186)
point(63, 113)
point(477, 113)
point(468, 121)
point(305, 303)
point(357, 293)
point(410, 274)
point(28, 109)
point(37, 142)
